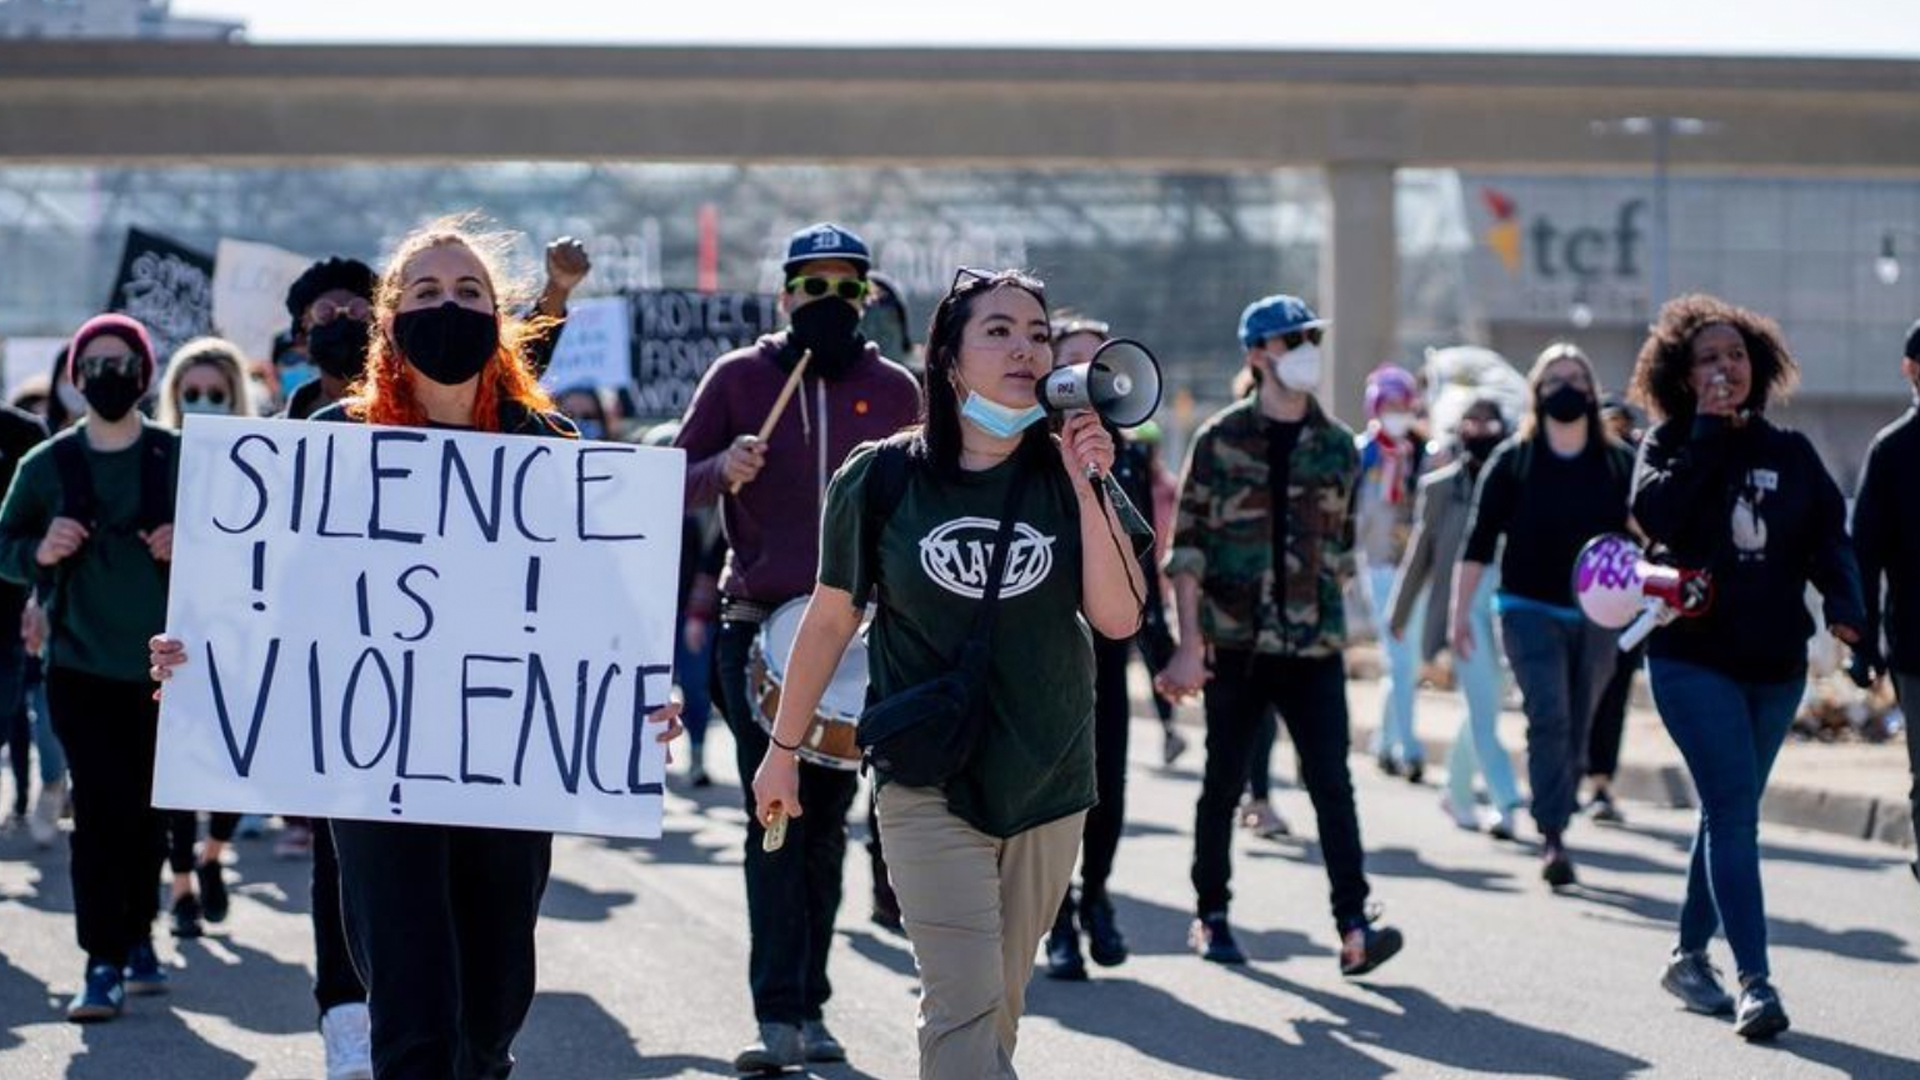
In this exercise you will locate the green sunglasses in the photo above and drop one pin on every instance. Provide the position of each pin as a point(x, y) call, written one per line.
point(848, 289)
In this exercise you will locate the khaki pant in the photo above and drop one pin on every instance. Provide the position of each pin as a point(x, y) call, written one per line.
point(975, 909)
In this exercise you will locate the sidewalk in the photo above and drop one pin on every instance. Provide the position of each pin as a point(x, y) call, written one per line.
point(1850, 789)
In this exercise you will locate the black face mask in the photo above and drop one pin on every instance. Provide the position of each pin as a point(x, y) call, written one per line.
point(1480, 447)
point(831, 329)
point(339, 347)
point(1567, 404)
point(448, 344)
point(112, 395)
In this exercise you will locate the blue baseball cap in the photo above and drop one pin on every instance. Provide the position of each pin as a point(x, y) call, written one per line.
point(826, 241)
point(1274, 315)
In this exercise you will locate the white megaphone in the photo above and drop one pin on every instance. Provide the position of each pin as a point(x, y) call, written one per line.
point(1121, 383)
point(1619, 589)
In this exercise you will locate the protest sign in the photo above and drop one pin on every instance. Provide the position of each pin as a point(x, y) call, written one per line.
point(679, 333)
point(167, 286)
point(596, 348)
point(250, 284)
point(418, 625)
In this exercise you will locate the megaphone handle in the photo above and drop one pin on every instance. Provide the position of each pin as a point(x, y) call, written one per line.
point(1657, 615)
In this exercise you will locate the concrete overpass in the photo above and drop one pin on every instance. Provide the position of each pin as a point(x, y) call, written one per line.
point(1360, 116)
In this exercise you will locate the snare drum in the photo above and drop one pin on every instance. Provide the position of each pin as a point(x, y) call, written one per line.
point(829, 739)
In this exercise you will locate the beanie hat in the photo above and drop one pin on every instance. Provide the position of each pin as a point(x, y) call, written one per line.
point(1387, 383)
point(352, 275)
point(116, 325)
point(1274, 315)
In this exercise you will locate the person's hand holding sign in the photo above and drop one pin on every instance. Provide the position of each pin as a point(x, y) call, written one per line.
point(160, 543)
point(163, 655)
point(64, 537)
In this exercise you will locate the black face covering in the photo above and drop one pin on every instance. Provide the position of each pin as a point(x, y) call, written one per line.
point(1480, 447)
point(339, 347)
point(831, 329)
point(112, 395)
point(1567, 404)
point(448, 344)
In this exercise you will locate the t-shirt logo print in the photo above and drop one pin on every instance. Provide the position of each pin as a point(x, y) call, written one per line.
point(958, 554)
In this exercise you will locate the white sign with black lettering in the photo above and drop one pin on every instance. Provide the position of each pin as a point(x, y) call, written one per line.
point(403, 624)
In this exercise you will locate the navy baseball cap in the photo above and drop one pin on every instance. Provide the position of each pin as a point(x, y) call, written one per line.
point(1274, 315)
point(826, 241)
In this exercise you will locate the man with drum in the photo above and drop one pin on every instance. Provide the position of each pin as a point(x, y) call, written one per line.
point(768, 427)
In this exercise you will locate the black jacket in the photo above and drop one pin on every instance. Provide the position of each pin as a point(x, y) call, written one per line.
point(1886, 535)
point(1756, 509)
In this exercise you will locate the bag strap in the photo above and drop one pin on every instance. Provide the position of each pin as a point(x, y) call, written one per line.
point(156, 482)
point(76, 483)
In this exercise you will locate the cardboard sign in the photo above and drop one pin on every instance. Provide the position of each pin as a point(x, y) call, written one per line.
point(679, 333)
point(596, 348)
point(250, 283)
point(168, 287)
point(404, 624)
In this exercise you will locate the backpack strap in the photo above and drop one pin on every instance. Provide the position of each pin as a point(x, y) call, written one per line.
point(156, 481)
point(886, 485)
point(76, 482)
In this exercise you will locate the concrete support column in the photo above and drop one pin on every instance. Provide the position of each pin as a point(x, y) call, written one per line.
point(1359, 283)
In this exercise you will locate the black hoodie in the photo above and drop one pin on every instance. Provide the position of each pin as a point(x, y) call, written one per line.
point(1756, 509)
point(1886, 528)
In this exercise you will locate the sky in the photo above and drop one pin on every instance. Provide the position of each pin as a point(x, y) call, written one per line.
point(1754, 27)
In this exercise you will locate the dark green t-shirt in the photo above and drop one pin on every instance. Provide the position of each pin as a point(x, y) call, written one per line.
point(1034, 763)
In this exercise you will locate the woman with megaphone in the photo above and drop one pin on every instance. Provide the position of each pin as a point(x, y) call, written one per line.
point(1730, 495)
point(993, 557)
point(1557, 484)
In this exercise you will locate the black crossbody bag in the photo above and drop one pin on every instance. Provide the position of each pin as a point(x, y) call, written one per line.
point(924, 735)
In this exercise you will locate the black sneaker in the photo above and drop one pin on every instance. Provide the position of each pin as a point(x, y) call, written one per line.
point(1105, 943)
point(143, 973)
point(1063, 949)
point(1696, 983)
point(1604, 810)
point(1386, 765)
point(1213, 939)
point(820, 1045)
point(1556, 869)
point(1760, 1015)
point(1416, 772)
point(186, 916)
point(1363, 948)
point(213, 891)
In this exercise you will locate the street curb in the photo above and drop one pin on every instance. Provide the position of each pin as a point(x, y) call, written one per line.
point(1861, 817)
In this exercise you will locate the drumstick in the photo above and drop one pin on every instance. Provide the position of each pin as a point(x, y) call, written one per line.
point(779, 406)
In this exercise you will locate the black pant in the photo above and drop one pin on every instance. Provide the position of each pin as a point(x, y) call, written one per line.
point(441, 919)
point(1112, 712)
point(335, 982)
point(793, 894)
point(1610, 716)
point(108, 728)
point(1260, 760)
point(1907, 687)
point(183, 828)
point(16, 723)
point(1311, 697)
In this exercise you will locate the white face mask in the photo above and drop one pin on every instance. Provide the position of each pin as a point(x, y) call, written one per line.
point(1397, 424)
point(1298, 369)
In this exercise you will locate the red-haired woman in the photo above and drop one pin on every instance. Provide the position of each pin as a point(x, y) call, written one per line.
point(441, 918)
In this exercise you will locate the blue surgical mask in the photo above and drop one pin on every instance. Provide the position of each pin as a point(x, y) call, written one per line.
point(295, 376)
point(997, 420)
point(204, 407)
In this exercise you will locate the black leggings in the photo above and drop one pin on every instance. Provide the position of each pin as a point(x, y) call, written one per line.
point(183, 828)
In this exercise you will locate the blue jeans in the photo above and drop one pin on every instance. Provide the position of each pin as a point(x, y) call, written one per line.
point(693, 671)
point(1482, 681)
point(1561, 662)
point(1401, 658)
point(1729, 732)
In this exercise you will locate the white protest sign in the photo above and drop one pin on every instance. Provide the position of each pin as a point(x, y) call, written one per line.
point(596, 348)
point(250, 283)
point(403, 624)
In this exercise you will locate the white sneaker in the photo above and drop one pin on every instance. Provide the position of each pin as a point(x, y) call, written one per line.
point(1467, 817)
point(45, 822)
point(348, 1032)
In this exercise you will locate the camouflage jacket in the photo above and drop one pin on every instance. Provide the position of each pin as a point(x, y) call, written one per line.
point(1223, 533)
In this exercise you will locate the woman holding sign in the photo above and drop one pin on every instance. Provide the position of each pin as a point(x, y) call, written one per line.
point(441, 918)
point(1726, 492)
point(980, 863)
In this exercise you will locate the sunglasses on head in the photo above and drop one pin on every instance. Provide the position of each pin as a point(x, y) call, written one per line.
point(325, 311)
point(125, 364)
point(1293, 339)
point(844, 288)
point(192, 395)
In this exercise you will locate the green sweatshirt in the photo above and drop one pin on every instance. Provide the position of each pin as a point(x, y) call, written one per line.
point(108, 598)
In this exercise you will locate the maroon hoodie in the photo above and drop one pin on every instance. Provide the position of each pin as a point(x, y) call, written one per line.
point(773, 524)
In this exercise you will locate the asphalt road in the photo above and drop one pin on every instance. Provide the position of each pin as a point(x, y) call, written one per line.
point(643, 960)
